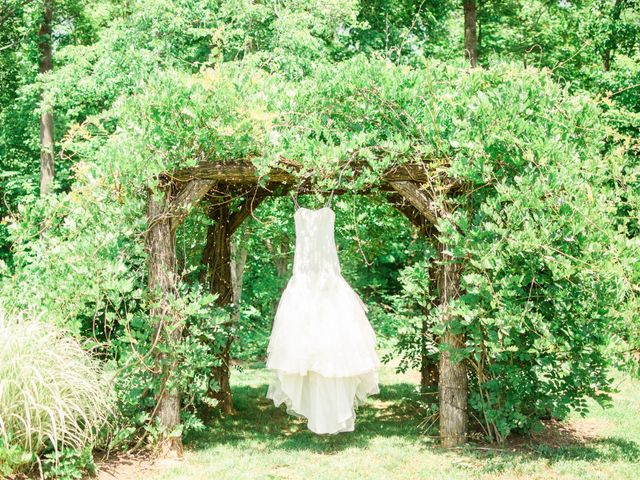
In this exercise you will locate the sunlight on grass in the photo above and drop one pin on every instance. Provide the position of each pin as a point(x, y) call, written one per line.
point(262, 442)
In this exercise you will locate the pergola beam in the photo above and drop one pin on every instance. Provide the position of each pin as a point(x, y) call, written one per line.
point(420, 199)
point(244, 172)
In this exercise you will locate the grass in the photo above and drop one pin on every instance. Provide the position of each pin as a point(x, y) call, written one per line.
point(262, 442)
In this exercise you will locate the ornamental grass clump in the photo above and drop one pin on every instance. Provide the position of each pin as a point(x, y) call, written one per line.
point(53, 394)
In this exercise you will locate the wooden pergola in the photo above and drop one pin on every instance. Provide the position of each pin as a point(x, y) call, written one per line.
point(414, 190)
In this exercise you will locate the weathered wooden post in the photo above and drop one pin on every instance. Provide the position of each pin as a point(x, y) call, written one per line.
point(428, 367)
point(218, 276)
point(160, 245)
point(452, 385)
point(452, 381)
point(216, 258)
point(164, 214)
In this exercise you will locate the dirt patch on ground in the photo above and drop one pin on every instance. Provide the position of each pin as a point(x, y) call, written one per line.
point(131, 467)
point(558, 434)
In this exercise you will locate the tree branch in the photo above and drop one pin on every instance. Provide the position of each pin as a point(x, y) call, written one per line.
point(189, 196)
point(418, 198)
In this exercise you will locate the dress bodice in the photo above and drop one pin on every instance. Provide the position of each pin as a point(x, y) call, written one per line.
point(315, 243)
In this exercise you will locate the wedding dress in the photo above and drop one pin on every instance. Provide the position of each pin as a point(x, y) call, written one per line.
point(322, 346)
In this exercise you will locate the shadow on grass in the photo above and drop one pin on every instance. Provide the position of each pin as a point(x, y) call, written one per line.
point(602, 450)
point(558, 442)
point(610, 449)
point(394, 412)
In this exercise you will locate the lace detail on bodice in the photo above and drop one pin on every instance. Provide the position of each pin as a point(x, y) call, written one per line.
point(315, 243)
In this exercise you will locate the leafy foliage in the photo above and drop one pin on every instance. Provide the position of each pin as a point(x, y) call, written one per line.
point(542, 141)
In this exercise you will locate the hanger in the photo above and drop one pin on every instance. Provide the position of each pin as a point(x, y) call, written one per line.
point(330, 199)
point(294, 193)
point(294, 197)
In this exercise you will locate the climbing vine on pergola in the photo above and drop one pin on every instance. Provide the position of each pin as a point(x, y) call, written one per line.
point(489, 165)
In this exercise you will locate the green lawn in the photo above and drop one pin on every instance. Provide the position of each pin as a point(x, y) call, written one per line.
point(262, 442)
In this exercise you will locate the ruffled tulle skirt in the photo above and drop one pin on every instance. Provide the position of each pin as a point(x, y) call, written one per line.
point(322, 353)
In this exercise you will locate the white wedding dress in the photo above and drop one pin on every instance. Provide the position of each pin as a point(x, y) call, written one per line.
point(322, 346)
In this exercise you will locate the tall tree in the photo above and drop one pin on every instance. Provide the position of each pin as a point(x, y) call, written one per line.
point(617, 31)
point(470, 31)
point(45, 49)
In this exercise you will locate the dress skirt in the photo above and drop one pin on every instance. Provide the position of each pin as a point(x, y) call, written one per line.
point(322, 352)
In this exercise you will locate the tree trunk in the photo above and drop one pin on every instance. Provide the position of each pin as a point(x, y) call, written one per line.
point(160, 245)
point(281, 260)
point(429, 369)
point(470, 33)
point(46, 118)
point(610, 42)
point(606, 59)
point(217, 260)
point(453, 374)
point(239, 260)
point(279, 254)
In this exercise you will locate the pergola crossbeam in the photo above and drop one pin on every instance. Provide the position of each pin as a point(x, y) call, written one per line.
point(244, 172)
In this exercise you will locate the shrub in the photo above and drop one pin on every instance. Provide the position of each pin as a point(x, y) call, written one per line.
point(53, 395)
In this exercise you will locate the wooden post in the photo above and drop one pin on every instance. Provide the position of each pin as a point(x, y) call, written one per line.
point(452, 382)
point(429, 374)
point(164, 215)
point(218, 276)
point(452, 386)
point(429, 367)
point(160, 245)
